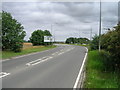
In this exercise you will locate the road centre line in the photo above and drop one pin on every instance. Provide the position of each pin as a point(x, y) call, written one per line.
point(4, 60)
point(39, 60)
point(3, 74)
point(61, 53)
point(47, 57)
point(55, 53)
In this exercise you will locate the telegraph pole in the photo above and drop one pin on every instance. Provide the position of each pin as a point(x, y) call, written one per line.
point(51, 33)
point(100, 29)
point(91, 34)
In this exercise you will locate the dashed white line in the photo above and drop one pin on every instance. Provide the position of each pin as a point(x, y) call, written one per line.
point(47, 57)
point(55, 53)
point(26, 55)
point(61, 53)
point(39, 61)
point(3, 74)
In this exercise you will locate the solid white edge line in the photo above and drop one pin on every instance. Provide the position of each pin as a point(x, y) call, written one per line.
point(80, 71)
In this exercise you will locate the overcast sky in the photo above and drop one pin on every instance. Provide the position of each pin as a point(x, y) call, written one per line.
point(68, 19)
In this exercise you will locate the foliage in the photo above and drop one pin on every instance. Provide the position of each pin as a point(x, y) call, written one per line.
point(95, 76)
point(94, 43)
point(73, 40)
point(37, 37)
point(111, 43)
point(12, 33)
point(47, 33)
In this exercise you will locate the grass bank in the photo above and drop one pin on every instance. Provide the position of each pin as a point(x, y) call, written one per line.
point(9, 54)
point(95, 76)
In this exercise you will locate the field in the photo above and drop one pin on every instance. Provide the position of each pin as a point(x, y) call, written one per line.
point(30, 46)
point(27, 48)
point(95, 76)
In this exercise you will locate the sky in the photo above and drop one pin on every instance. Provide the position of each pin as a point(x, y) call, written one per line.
point(63, 19)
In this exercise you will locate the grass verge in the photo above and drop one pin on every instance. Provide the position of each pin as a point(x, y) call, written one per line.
point(9, 54)
point(95, 77)
point(80, 45)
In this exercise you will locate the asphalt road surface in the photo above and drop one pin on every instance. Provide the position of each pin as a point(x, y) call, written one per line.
point(55, 68)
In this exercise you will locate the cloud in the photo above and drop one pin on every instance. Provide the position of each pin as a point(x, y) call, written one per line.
point(67, 18)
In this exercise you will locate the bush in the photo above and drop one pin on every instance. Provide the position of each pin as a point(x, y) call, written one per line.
point(73, 40)
point(94, 43)
point(37, 37)
point(17, 47)
point(111, 43)
point(107, 65)
point(12, 33)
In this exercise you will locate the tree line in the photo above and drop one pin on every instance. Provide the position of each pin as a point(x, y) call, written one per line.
point(12, 35)
point(73, 40)
point(110, 45)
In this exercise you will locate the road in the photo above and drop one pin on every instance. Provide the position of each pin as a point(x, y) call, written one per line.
point(55, 68)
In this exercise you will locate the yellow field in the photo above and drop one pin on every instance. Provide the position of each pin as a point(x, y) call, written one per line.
point(29, 46)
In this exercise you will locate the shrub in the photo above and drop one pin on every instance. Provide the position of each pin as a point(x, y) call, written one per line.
point(12, 33)
point(94, 43)
point(111, 44)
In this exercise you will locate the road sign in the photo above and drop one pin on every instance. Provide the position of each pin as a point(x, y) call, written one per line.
point(47, 38)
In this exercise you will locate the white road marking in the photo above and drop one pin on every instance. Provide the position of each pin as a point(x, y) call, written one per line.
point(26, 55)
point(55, 53)
point(33, 62)
point(39, 60)
point(61, 49)
point(80, 71)
point(61, 53)
point(3, 74)
point(42, 61)
point(48, 57)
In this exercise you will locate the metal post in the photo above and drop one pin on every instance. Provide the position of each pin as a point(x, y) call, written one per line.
point(100, 29)
point(91, 34)
point(79, 33)
point(51, 33)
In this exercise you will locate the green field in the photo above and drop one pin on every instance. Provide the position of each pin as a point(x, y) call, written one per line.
point(9, 54)
point(95, 76)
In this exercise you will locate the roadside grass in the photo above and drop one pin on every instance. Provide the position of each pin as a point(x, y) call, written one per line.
point(95, 76)
point(80, 45)
point(32, 49)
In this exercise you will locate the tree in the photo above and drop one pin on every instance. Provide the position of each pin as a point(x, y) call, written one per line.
point(111, 43)
point(95, 42)
point(70, 40)
point(47, 33)
point(12, 33)
point(77, 40)
point(83, 40)
point(37, 37)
